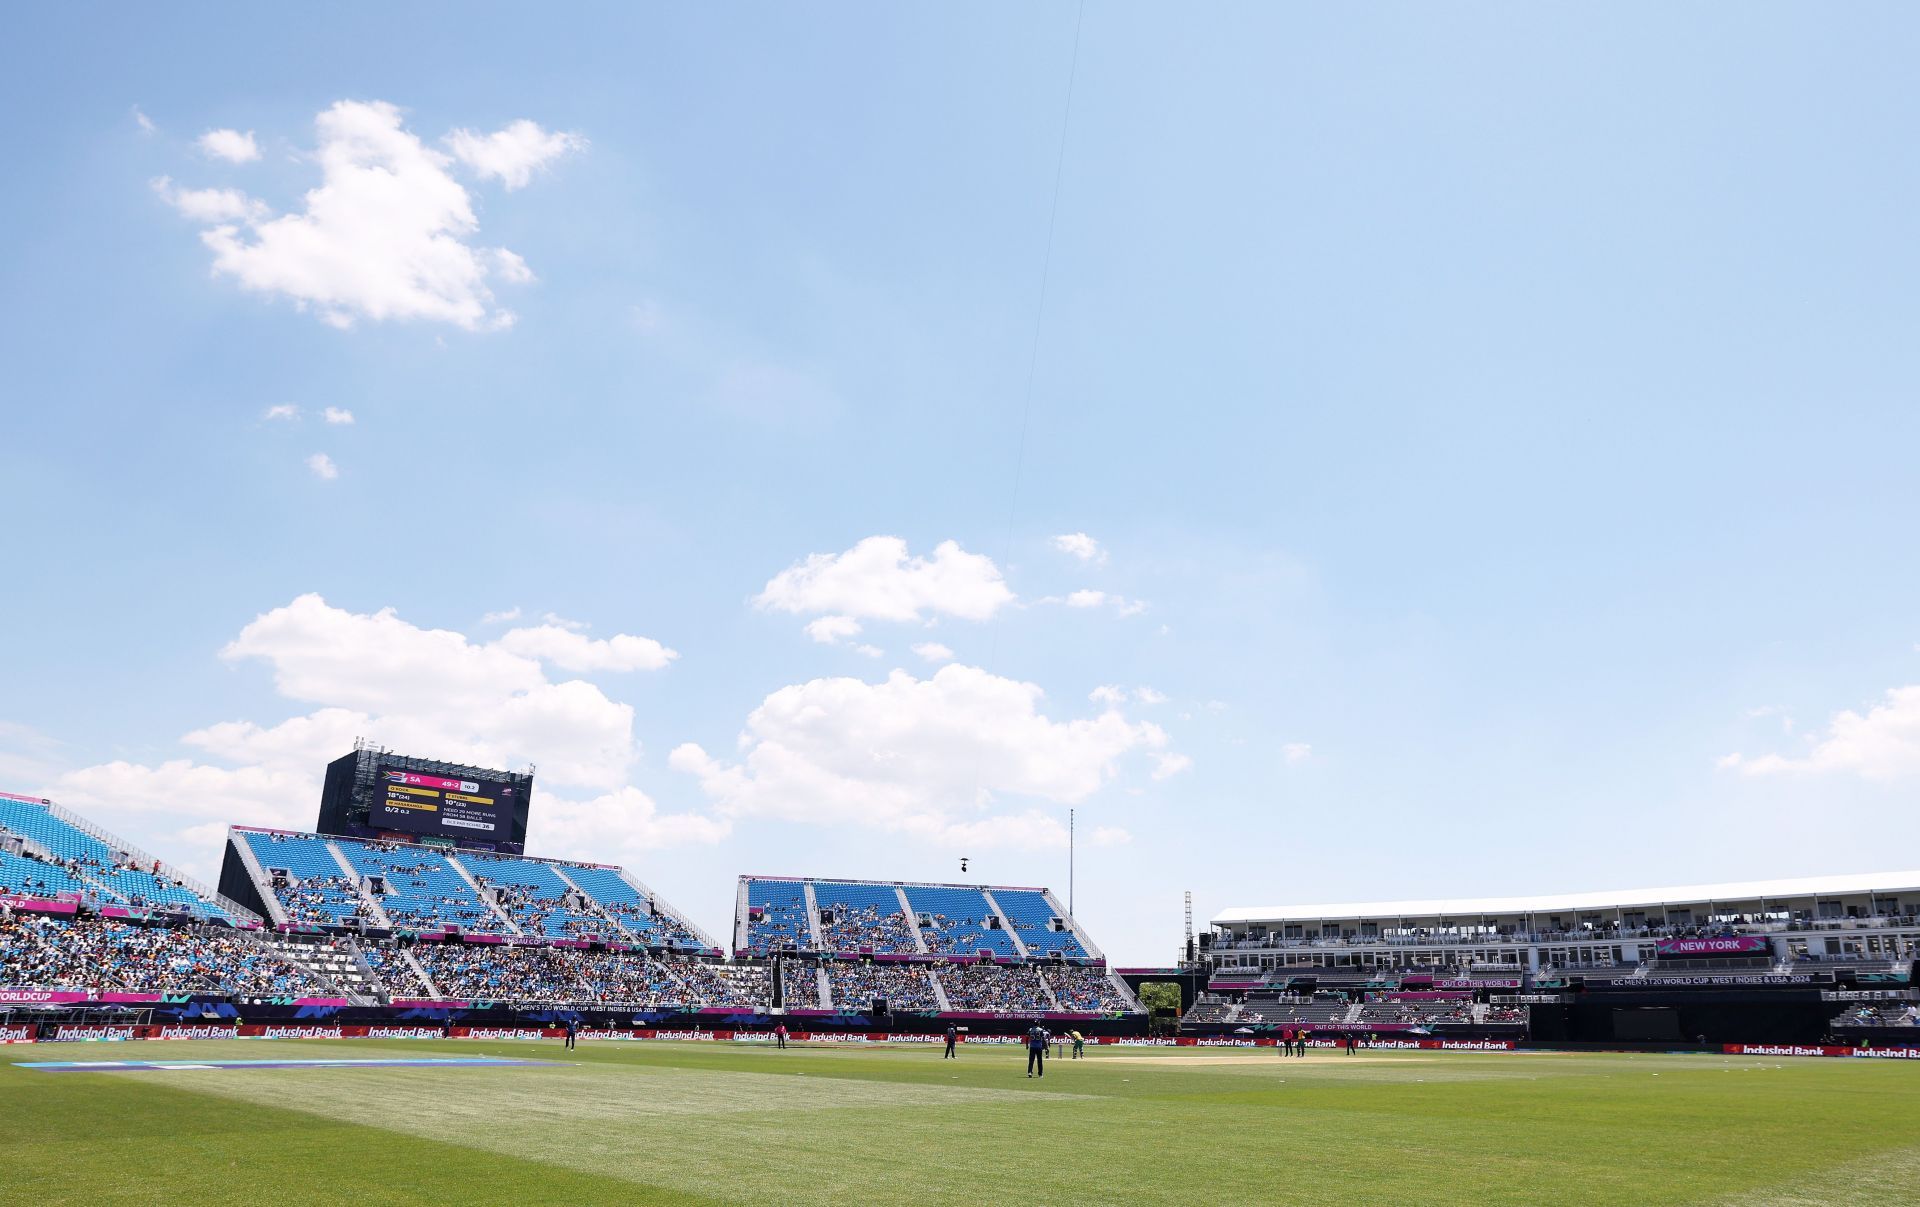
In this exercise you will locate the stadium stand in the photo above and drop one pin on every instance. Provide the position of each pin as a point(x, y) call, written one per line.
point(996, 988)
point(395, 973)
point(856, 983)
point(958, 921)
point(307, 880)
point(57, 851)
point(1079, 988)
point(101, 954)
point(648, 921)
point(775, 917)
point(537, 897)
point(1042, 926)
point(800, 985)
point(862, 917)
point(547, 975)
point(311, 879)
point(420, 889)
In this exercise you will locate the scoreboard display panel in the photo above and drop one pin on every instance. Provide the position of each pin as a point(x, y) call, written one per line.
point(437, 805)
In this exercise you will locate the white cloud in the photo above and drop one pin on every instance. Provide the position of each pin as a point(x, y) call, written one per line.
point(623, 820)
point(143, 121)
point(1295, 753)
point(573, 651)
point(878, 580)
point(427, 691)
point(926, 757)
point(1091, 598)
point(1110, 836)
point(512, 613)
point(1169, 765)
point(384, 235)
point(282, 410)
point(511, 267)
point(430, 690)
point(323, 467)
point(187, 806)
point(1082, 546)
point(230, 145)
point(869, 651)
point(1882, 744)
point(336, 415)
point(208, 205)
point(933, 651)
point(513, 154)
point(561, 622)
point(1114, 695)
point(831, 630)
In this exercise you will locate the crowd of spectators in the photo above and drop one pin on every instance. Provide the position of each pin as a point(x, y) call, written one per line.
point(98, 954)
point(569, 975)
point(416, 902)
point(865, 927)
point(779, 927)
point(857, 982)
point(707, 984)
point(1077, 987)
point(393, 972)
point(324, 900)
point(566, 917)
point(955, 936)
point(1416, 1013)
point(999, 988)
point(799, 985)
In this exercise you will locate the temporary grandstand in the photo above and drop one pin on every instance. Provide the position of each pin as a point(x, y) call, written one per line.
point(950, 949)
point(314, 880)
point(900, 917)
point(52, 853)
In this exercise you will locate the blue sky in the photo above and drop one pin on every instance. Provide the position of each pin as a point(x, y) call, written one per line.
point(1491, 428)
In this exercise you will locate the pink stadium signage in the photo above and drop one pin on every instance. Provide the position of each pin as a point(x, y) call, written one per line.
point(38, 905)
point(32, 997)
point(1729, 945)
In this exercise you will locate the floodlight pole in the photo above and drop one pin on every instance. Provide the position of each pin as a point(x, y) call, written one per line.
point(1069, 862)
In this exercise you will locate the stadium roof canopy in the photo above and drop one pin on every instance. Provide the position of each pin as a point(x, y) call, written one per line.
point(1884, 884)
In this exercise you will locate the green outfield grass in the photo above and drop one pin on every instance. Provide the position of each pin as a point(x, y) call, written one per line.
point(670, 1122)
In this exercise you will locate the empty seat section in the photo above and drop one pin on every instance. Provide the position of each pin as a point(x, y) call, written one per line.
point(103, 875)
point(955, 921)
point(636, 914)
point(35, 878)
point(1032, 916)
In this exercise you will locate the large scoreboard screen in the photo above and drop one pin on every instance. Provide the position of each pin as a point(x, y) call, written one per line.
point(448, 808)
